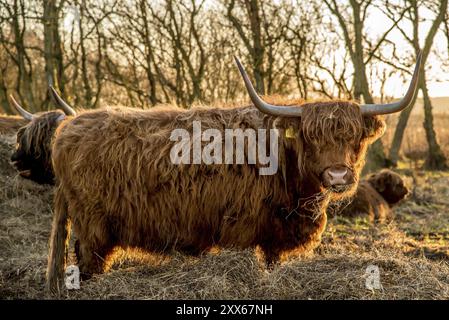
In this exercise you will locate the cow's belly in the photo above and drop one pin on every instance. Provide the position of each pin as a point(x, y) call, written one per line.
point(163, 221)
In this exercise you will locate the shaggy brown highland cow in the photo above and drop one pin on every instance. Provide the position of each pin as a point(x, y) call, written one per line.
point(32, 157)
point(376, 195)
point(117, 186)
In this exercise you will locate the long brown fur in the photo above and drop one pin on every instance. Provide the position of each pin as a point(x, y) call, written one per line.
point(120, 188)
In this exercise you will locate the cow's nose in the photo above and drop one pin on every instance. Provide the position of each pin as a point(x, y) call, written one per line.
point(335, 176)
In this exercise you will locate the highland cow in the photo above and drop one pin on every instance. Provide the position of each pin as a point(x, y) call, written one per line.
point(32, 157)
point(116, 185)
point(376, 195)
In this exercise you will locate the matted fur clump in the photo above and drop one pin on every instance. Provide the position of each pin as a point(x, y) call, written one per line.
point(338, 123)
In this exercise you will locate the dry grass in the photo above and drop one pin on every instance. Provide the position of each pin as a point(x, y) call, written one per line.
point(412, 253)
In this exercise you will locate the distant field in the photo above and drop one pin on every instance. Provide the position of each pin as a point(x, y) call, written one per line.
point(414, 142)
point(415, 135)
point(439, 104)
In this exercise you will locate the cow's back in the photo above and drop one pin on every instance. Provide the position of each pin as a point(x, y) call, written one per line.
point(367, 201)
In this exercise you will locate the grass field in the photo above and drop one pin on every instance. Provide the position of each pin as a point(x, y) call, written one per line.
point(411, 252)
point(414, 145)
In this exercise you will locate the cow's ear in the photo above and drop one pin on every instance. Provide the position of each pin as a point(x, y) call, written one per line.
point(20, 133)
point(378, 181)
point(288, 128)
point(374, 127)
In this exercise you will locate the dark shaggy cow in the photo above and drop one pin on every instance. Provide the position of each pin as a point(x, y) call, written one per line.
point(117, 186)
point(376, 195)
point(32, 157)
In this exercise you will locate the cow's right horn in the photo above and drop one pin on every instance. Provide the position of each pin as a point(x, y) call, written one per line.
point(68, 110)
point(25, 114)
point(283, 111)
point(405, 102)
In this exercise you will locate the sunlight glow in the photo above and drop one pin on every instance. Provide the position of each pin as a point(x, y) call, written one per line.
point(437, 74)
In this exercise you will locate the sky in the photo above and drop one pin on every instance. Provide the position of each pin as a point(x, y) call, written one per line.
point(437, 75)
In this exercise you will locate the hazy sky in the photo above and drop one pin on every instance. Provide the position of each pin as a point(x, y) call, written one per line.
point(437, 75)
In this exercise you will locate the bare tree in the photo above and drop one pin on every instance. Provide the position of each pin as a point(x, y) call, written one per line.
point(16, 18)
point(88, 46)
point(3, 91)
point(254, 42)
point(265, 29)
point(435, 157)
point(164, 48)
point(54, 64)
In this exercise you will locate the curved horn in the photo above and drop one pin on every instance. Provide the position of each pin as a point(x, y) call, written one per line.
point(68, 110)
point(377, 109)
point(25, 114)
point(284, 111)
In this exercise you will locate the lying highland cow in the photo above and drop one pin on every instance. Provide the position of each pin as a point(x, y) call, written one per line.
point(376, 195)
point(117, 185)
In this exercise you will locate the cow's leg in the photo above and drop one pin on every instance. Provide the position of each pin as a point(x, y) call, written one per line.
point(92, 250)
point(77, 250)
point(271, 263)
point(92, 258)
point(271, 257)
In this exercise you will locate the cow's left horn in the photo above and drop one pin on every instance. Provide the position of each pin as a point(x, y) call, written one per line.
point(377, 109)
point(284, 111)
point(25, 114)
point(68, 110)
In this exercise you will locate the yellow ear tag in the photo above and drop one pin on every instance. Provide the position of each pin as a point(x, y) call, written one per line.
point(290, 133)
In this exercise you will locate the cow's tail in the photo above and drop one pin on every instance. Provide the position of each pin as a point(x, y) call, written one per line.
point(59, 239)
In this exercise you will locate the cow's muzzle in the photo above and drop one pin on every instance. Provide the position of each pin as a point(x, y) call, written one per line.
point(19, 166)
point(338, 178)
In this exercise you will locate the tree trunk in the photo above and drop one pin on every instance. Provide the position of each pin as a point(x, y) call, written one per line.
point(252, 8)
point(4, 104)
point(24, 83)
point(399, 135)
point(436, 159)
point(403, 118)
point(254, 43)
point(52, 46)
point(376, 158)
point(88, 95)
point(148, 53)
